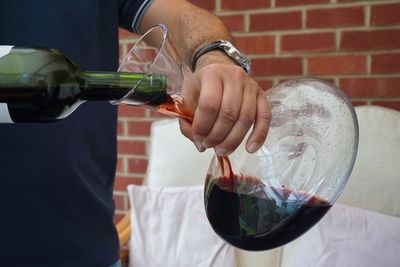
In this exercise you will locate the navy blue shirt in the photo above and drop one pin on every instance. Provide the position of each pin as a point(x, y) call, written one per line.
point(56, 179)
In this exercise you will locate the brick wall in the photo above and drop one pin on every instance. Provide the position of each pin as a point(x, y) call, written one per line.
point(355, 44)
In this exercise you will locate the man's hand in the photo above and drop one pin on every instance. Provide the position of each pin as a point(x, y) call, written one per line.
point(229, 103)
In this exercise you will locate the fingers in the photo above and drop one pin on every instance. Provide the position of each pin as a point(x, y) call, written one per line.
point(242, 125)
point(228, 113)
point(207, 109)
point(229, 104)
point(261, 125)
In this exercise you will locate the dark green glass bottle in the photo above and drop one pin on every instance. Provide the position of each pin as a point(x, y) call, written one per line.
point(40, 85)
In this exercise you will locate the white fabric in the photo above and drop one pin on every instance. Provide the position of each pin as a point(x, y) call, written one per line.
point(5, 50)
point(5, 114)
point(170, 229)
point(174, 160)
point(375, 181)
point(348, 237)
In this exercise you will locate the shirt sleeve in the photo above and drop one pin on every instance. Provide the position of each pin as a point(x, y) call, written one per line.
point(131, 13)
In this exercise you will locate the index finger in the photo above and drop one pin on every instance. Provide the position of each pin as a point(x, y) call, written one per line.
point(207, 107)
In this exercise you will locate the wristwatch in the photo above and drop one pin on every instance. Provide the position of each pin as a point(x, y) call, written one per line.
point(229, 49)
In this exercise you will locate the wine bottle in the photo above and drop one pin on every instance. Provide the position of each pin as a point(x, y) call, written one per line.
point(42, 85)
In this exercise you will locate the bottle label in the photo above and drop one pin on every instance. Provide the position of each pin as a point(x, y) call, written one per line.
point(5, 114)
point(5, 50)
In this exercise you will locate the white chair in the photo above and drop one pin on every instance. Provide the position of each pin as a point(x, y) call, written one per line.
point(373, 185)
point(375, 180)
point(371, 202)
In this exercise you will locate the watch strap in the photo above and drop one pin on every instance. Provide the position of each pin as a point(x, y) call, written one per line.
point(226, 47)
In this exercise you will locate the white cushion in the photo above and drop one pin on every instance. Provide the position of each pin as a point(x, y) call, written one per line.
point(347, 237)
point(375, 181)
point(173, 159)
point(170, 229)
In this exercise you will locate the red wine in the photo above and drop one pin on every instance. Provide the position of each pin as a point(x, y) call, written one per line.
point(172, 106)
point(246, 213)
point(251, 216)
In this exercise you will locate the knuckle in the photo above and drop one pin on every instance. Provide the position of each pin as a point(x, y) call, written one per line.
point(247, 117)
point(238, 73)
point(255, 86)
point(229, 114)
point(207, 107)
point(200, 130)
point(210, 69)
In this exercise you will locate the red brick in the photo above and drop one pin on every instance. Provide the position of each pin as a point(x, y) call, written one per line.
point(130, 111)
point(120, 164)
point(119, 202)
point(275, 21)
point(120, 128)
point(385, 14)
point(137, 165)
point(234, 23)
point(388, 104)
point(206, 4)
point(280, 3)
point(347, 64)
point(386, 63)
point(371, 87)
point(335, 17)
point(121, 183)
point(129, 46)
point(248, 4)
point(256, 44)
point(370, 40)
point(139, 128)
point(131, 147)
point(121, 52)
point(265, 84)
point(308, 42)
point(345, 1)
point(277, 66)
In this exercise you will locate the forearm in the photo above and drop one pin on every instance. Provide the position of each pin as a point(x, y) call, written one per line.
point(191, 27)
point(227, 102)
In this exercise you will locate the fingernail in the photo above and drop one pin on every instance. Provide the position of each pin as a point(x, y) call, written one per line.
point(198, 145)
point(206, 144)
point(253, 147)
point(197, 141)
point(198, 138)
point(221, 151)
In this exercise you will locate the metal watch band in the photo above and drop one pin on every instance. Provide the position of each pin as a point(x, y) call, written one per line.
point(229, 50)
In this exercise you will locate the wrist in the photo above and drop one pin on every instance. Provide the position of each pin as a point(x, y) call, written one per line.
point(218, 50)
point(213, 57)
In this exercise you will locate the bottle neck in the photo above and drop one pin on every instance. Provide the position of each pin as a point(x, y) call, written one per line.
point(114, 86)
